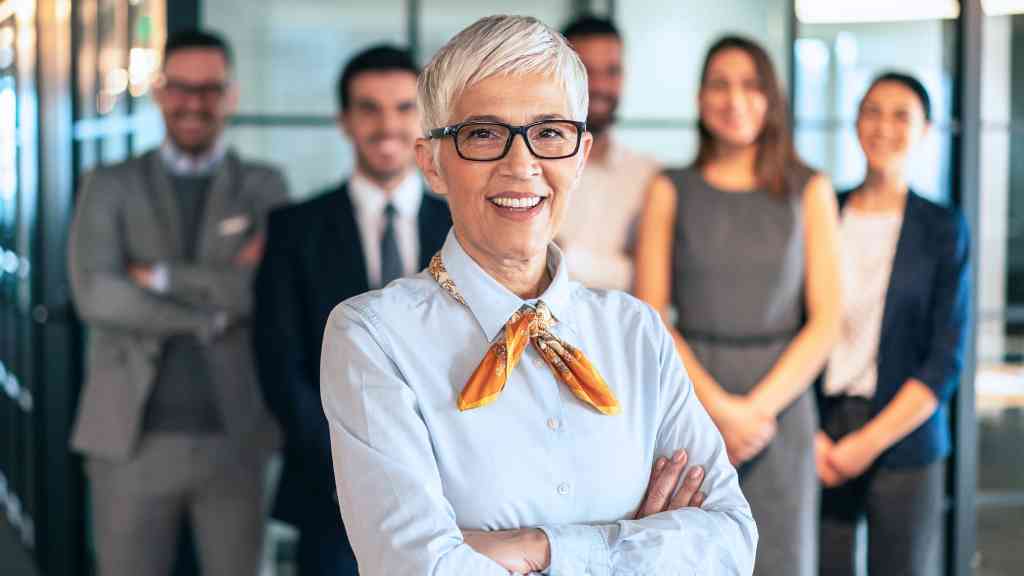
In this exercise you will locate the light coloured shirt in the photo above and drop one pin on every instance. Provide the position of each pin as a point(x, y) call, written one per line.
point(412, 471)
point(369, 201)
point(181, 163)
point(599, 230)
point(867, 249)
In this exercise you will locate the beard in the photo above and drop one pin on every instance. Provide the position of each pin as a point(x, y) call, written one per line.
point(383, 171)
point(598, 123)
point(190, 143)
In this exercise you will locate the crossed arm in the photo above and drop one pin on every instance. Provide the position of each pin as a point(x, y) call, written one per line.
point(111, 290)
point(399, 521)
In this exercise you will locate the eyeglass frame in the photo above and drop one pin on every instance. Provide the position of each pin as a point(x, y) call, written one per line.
point(453, 131)
point(207, 91)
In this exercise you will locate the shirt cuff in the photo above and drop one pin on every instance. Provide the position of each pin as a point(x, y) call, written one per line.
point(161, 279)
point(576, 550)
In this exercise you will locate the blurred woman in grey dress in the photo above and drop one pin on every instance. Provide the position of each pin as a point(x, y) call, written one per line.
point(743, 245)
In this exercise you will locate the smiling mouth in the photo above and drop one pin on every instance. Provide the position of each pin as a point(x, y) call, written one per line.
point(518, 204)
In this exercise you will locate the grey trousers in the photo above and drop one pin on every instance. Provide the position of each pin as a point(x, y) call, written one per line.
point(138, 506)
point(902, 507)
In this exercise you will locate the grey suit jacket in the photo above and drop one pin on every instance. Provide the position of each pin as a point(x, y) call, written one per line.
point(127, 214)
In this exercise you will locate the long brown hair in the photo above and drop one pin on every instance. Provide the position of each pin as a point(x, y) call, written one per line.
point(776, 155)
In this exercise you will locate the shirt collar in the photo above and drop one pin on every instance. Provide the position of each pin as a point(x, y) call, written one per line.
point(370, 197)
point(180, 163)
point(491, 303)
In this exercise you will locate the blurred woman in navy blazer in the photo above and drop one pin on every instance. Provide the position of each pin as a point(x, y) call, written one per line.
point(884, 404)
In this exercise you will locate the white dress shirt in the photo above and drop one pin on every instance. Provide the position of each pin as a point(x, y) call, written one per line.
point(600, 223)
point(412, 471)
point(867, 249)
point(369, 201)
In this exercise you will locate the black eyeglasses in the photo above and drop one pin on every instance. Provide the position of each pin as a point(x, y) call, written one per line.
point(489, 141)
point(209, 91)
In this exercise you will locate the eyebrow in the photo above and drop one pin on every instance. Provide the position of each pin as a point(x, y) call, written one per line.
point(493, 118)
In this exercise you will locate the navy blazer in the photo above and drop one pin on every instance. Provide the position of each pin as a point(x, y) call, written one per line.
point(924, 324)
point(313, 261)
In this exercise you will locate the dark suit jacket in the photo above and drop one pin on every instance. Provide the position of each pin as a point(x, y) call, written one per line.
point(924, 324)
point(313, 261)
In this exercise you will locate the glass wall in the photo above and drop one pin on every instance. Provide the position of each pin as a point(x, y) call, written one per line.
point(290, 55)
point(20, 462)
point(666, 41)
point(1000, 329)
point(836, 61)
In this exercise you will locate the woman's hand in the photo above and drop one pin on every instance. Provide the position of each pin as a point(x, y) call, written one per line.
point(518, 551)
point(830, 477)
point(662, 494)
point(746, 427)
point(853, 454)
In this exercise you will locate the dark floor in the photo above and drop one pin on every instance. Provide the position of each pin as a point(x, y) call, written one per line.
point(1000, 516)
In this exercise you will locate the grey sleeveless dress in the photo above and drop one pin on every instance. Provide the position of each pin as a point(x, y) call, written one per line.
point(738, 289)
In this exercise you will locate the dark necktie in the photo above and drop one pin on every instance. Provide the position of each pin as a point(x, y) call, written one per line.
point(390, 257)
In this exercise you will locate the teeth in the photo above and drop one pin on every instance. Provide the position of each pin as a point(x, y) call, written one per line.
point(517, 202)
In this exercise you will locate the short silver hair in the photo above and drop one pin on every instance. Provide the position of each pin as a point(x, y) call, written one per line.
point(493, 46)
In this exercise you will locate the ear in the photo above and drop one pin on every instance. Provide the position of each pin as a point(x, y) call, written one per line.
point(342, 121)
point(231, 98)
point(584, 154)
point(429, 166)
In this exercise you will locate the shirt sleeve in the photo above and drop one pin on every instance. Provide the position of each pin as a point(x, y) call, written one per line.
point(720, 538)
point(392, 500)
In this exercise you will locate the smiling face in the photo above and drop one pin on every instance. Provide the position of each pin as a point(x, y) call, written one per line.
point(195, 97)
point(382, 121)
point(506, 210)
point(891, 122)
point(733, 105)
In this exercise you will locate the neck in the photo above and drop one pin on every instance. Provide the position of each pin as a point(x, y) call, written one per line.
point(193, 153)
point(600, 149)
point(526, 279)
point(732, 168)
point(739, 159)
point(386, 182)
point(881, 191)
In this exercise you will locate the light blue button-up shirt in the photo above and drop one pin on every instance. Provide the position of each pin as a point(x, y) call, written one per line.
point(412, 471)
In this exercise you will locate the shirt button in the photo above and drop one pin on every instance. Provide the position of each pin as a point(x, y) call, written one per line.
point(563, 488)
point(553, 423)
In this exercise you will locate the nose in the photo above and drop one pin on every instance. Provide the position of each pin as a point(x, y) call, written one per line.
point(192, 102)
point(737, 98)
point(519, 163)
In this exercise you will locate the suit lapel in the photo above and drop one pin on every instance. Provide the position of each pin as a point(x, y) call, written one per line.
point(164, 202)
point(433, 222)
point(347, 243)
point(219, 198)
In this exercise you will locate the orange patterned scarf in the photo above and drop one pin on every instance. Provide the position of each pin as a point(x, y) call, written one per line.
point(528, 324)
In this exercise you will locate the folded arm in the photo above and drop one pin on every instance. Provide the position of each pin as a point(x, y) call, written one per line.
point(719, 538)
point(101, 287)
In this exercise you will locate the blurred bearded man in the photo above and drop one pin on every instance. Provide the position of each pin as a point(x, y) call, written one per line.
point(598, 233)
point(377, 226)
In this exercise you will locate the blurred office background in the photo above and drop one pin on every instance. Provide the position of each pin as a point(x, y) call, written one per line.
point(74, 94)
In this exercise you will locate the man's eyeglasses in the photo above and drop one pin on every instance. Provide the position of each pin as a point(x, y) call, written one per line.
point(208, 91)
point(488, 141)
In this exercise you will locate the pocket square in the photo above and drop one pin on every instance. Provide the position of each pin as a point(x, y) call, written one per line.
point(234, 225)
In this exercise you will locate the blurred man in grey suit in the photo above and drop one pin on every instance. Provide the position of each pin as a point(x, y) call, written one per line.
point(162, 251)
